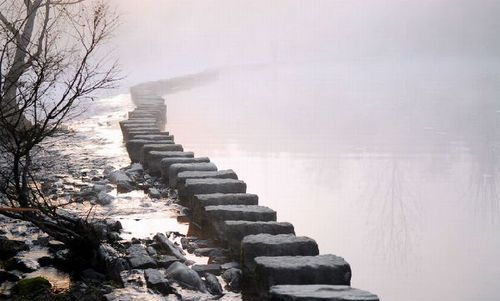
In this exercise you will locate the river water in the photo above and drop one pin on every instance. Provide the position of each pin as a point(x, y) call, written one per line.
point(392, 165)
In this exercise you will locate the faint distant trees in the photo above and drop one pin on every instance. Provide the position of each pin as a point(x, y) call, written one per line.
point(50, 58)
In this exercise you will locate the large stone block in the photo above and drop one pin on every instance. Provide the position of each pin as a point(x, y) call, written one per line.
point(135, 146)
point(319, 292)
point(181, 178)
point(165, 164)
point(204, 186)
point(154, 137)
point(155, 159)
point(275, 245)
point(139, 135)
point(127, 131)
point(165, 147)
point(222, 213)
point(177, 168)
point(199, 201)
point(321, 269)
point(132, 133)
point(233, 232)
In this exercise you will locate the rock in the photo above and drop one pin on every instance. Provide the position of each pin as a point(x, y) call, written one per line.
point(102, 188)
point(232, 277)
point(177, 168)
point(156, 281)
point(321, 269)
point(206, 186)
point(119, 176)
point(166, 162)
point(22, 264)
point(9, 248)
point(135, 147)
point(92, 275)
point(185, 277)
point(111, 261)
point(158, 146)
point(215, 216)
point(104, 198)
point(168, 246)
point(184, 175)
point(108, 169)
point(230, 265)
point(203, 269)
point(199, 201)
point(203, 252)
point(154, 158)
point(133, 278)
point(135, 168)
point(6, 276)
point(132, 294)
point(139, 257)
point(233, 232)
point(275, 245)
point(32, 286)
point(154, 136)
point(213, 285)
point(55, 245)
point(124, 187)
point(166, 261)
point(319, 293)
point(154, 193)
point(151, 251)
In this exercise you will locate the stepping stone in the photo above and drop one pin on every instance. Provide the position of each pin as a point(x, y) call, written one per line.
point(154, 158)
point(233, 232)
point(319, 292)
point(215, 216)
point(139, 135)
point(126, 131)
point(160, 146)
point(199, 201)
point(275, 245)
point(134, 147)
point(205, 186)
point(181, 178)
point(153, 137)
point(176, 168)
point(165, 164)
point(321, 269)
point(132, 133)
point(139, 257)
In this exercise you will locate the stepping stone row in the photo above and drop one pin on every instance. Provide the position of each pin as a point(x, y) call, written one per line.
point(276, 264)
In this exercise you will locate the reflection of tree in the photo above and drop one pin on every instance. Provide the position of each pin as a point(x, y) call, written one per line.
point(394, 210)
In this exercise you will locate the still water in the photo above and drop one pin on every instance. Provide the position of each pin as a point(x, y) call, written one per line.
point(394, 166)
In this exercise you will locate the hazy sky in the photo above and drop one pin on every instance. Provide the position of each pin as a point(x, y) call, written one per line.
point(161, 38)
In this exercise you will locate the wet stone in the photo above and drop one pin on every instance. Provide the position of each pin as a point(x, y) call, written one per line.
point(319, 293)
point(135, 147)
point(206, 186)
point(213, 285)
point(180, 167)
point(321, 269)
point(165, 261)
point(168, 246)
point(203, 269)
point(276, 245)
point(158, 146)
point(185, 277)
point(166, 162)
point(199, 201)
point(156, 281)
point(218, 214)
point(139, 257)
point(233, 277)
point(154, 158)
point(181, 177)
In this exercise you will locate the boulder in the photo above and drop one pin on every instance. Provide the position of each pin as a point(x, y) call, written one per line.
point(165, 261)
point(9, 248)
point(203, 269)
point(321, 269)
point(233, 232)
point(139, 258)
point(233, 278)
point(319, 292)
point(213, 285)
point(275, 245)
point(205, 186)
point(159, 146)
point(154, 159)
point(185, 277)
point(199, 201)
point(104, 198)
point(166, 162)
point(135, 146)
point(168, 246)
point(156, 281)
point(111, 261)
point(181, 177)
point(180, 167)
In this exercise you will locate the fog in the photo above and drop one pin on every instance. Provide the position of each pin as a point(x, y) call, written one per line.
point(372, 126)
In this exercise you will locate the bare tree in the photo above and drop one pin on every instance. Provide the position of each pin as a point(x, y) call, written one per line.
point(51, 57)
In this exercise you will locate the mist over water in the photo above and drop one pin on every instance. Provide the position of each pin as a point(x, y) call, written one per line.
point(372, 126)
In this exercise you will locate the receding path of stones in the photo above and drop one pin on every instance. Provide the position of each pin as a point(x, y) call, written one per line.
point(257, 254)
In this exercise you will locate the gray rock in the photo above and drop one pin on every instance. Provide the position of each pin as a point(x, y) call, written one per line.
point(119, 176)
point(129, 135)
point(146, 135)
point(168, 246)
point(185, 277)
point(181, 177)
point(230, 265)
point(159, 146)
point(165, 261)
point(233, 232)
point(102, 187)
point(133, 278)
point(213, 285)
point(206, 186)
point(104, 198)
point(9, 248)
point(111, 261)
point(275, 245)
point(139, 257)
point(154, 159)
point(215, 216)
point(154, 193)
point(321, 269)
point(233, 278)
point(203, 269)
point(319, 293)
point(150, 129)
point(166, 162)
point(180, 167)
point(124, 187)
point(156, 281)
point(199, 201)
point(135, 147)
